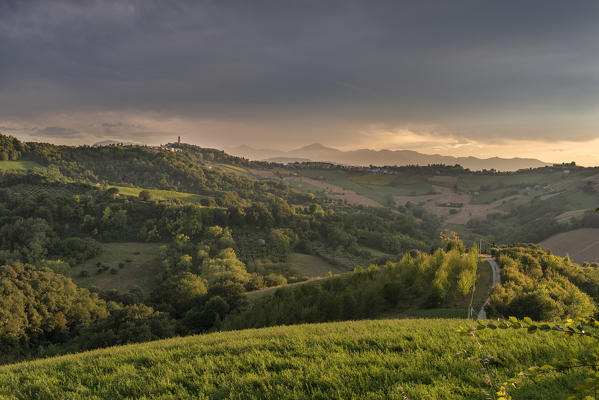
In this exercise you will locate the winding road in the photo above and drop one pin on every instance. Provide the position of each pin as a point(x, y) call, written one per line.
point(482, 314)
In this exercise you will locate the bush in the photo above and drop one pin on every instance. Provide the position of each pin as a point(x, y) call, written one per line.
point(145, 195)
point(83, 273)
point(275, 280)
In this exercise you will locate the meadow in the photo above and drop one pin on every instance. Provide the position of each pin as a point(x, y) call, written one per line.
point(18, 165)
point(229, 168)
point(371, 359)
point(158, 194)
point(140, 267)
point(314, 266)
point(304, 186)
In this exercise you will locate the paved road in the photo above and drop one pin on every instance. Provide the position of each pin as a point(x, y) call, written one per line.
point(482, 314)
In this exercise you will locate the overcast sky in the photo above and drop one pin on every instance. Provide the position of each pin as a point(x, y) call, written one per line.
point(486, 78)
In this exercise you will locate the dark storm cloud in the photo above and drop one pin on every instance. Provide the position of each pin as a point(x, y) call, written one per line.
point(468, 65)
point(57, 132)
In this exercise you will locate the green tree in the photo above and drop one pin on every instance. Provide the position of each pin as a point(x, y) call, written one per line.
point(145, 195)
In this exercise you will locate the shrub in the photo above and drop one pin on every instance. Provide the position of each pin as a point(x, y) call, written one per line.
point(145, 195)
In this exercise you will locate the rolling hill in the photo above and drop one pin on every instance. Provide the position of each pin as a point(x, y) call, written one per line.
point(377, 359)
point(582, 245)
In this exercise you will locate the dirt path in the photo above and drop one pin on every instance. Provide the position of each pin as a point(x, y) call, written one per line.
point(482, 314)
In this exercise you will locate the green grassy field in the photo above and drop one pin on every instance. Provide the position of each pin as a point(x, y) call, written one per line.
point(141, 271)
point(436, 313)
point(158, 194)
point(374, 252)
point(376, 359)
point(230, 169)
point(373, 179)
point(304, 186)
point(313, 265)
point(374, 186)
point(18, 165)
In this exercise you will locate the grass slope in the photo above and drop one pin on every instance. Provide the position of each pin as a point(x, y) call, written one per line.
point(580, 244)
point(18, 165)
point(141, 271)
point(158, 194)
point(313, 265)
point(381, 359)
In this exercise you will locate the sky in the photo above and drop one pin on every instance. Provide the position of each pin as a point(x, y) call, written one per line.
point(482, 78)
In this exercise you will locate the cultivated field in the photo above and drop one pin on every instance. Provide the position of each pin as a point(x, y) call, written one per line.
point(580, 244)
point(568, 215)
point(436, 203)
point(421, 359)
point(337, 192)
point(141, 267)
point(263, 173)
point(303, 185)
point(594, 179)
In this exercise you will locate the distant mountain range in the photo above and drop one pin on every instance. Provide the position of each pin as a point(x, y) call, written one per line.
point(364, 157)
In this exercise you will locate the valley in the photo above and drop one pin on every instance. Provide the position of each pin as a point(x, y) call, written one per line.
point(297, 200)
point(122, 244)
